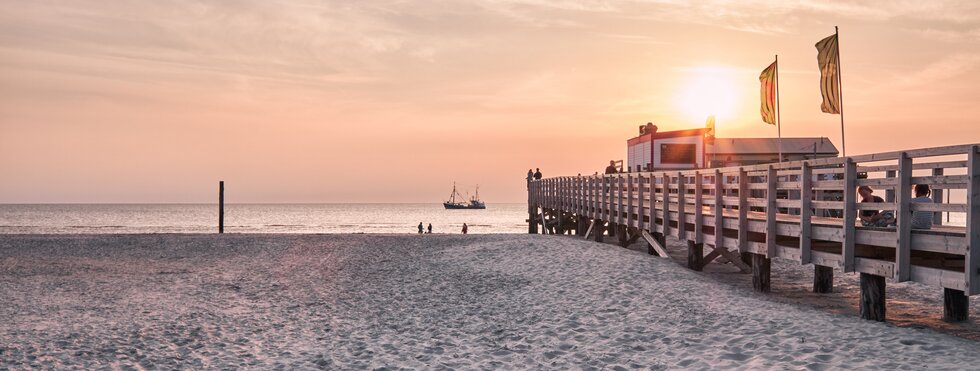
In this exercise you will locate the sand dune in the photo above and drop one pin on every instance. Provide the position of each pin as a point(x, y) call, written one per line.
point(432, 301)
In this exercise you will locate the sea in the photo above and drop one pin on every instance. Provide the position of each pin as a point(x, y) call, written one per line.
point(257, 218)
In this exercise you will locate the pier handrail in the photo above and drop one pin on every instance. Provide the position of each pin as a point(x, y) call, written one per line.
point(802, 210)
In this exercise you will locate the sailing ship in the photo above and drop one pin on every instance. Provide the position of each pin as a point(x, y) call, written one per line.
point(460, 203)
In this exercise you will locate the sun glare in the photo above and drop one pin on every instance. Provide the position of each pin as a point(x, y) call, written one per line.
point(708, 91)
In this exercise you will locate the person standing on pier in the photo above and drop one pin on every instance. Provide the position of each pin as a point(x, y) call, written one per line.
point(611, 169)
point(430, 228)
point(420, 228)
point(537, 174)
point(530, 175)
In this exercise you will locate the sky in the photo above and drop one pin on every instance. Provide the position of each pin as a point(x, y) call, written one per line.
point(393, 101)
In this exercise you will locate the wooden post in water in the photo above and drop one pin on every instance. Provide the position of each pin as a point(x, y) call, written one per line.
point(956, 306)
point(221, 206)
point(872, 297)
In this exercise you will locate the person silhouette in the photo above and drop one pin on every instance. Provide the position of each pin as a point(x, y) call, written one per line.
point(537, 174)
point(465, 228)
point(430, 228)
point(420, 228)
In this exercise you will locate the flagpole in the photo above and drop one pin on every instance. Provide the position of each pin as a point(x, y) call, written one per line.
point(840, 94)
point(779, 129)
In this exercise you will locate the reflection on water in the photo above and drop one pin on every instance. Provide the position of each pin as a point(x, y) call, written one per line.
point(258, 218)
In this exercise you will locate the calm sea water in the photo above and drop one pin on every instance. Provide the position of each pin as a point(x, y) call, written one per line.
point(258, 218)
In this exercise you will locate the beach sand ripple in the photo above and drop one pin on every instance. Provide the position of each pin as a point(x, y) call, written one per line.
point(423, 302)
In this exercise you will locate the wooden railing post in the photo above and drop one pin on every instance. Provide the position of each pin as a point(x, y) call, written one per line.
point(640, 206)
point(719, 210)
point(681, 206)
point(743, 210)
point(937, 197)
point(629, 200)
point(903, 252)
point(850, 213)
point(666, 188)
point(972, 263)
point(806, 211)
point(771, 212)
point(698, 207)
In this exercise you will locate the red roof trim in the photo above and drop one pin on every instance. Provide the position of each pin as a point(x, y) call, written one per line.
point(667, 134)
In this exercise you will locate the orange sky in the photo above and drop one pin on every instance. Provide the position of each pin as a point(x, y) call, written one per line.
point(391, 101)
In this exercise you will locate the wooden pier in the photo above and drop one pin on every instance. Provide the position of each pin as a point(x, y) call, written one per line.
point(805, 211)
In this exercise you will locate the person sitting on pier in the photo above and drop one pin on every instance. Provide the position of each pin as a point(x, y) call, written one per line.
point(922, 219)
point(874, 218)
point(537, 174)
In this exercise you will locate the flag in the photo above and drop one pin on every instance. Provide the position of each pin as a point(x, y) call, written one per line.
point(768, 96)
point(709, 136)
point(827, 59)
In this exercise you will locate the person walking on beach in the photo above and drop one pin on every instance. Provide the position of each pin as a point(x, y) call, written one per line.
point(430, 228)
point(537, 174)
point(465, 229)
point(420, 228)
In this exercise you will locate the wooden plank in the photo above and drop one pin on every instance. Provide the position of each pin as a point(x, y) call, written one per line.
point(714, 254)
point(972, 262)
point(619, 199)
point(544, 223)
point(588, 231)
point(850, 214)
point(771, 213)
point(734, 258)
point(656, 245)
point(874, 266)
point(826, 259)
point(698, 207)
point(719, 209)
point(681, 206)
point(903, 253)
point(743, 209)
point(938, 277)
point(890, 192)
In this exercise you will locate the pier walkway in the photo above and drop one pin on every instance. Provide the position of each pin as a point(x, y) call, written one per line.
point(806, 211)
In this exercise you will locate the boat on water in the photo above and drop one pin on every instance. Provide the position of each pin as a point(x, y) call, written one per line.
point(460, 203)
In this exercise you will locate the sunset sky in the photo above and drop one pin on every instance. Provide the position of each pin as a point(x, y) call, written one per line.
point(392, 101)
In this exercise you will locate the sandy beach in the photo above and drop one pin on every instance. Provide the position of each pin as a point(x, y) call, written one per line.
point(421, 302)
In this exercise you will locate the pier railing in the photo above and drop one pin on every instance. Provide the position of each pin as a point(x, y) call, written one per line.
point(806, 211)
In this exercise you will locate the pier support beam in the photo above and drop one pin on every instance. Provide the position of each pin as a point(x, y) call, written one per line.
point(581, 226)
point(560, 225)
point(597, 230)
point(746, 258)
point(761, 272)
point(612, 229)
point(532, 220)
point(695, 255)
point(823, 279)
point(623, 235)
point(956, 306)
point(221, 206)
point(872, 297)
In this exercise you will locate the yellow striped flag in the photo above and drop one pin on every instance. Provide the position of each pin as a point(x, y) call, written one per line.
point(827, 59)
point(768, 96)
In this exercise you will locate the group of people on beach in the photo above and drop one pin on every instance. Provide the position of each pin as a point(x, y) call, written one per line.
point(428, 230)
point(887, 218)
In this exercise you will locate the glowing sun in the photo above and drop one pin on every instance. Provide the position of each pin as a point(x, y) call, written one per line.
point(708, 91)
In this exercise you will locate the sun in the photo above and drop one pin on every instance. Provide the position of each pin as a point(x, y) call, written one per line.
point(708, 91)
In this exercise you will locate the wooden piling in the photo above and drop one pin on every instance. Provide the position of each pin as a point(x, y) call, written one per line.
point(221, 206)
point(761, 272)
point(823, 279)
point(872, 297)
point(597, 230)
point(695, 255)
point(956, 306)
